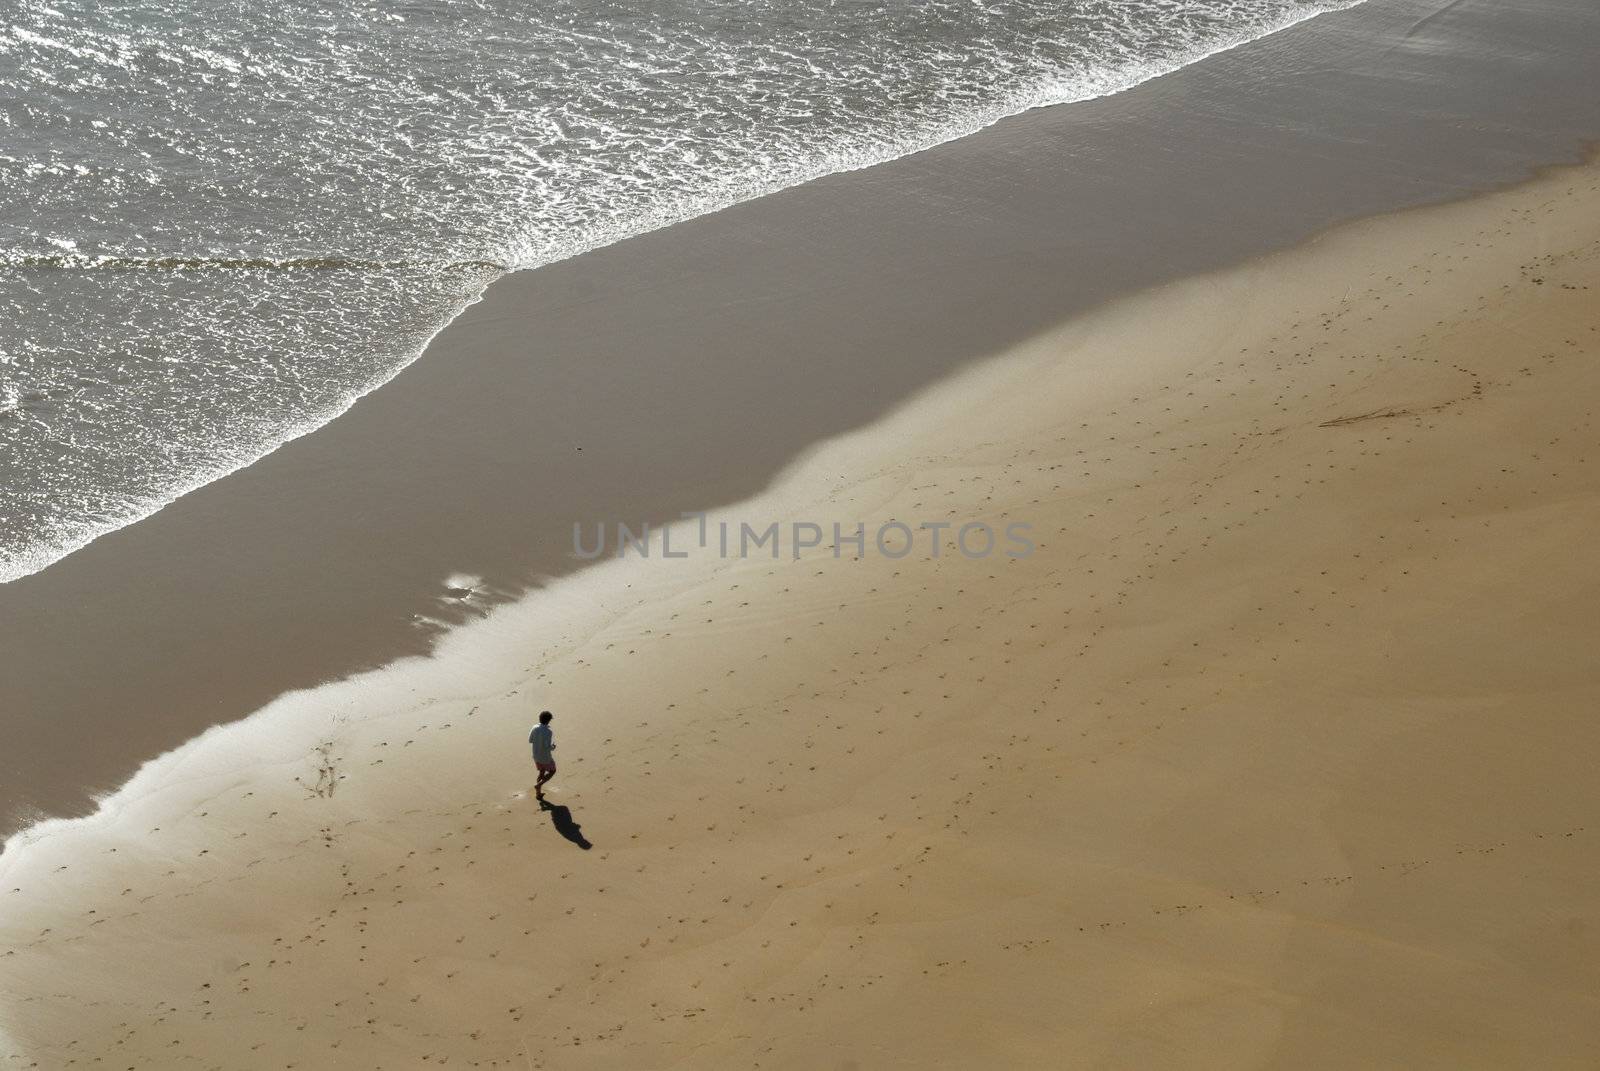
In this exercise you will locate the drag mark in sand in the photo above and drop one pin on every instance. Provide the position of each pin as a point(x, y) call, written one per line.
point(1378, 414)
point(327, 771)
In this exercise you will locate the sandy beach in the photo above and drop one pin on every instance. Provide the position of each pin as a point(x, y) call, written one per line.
point(1211, 683)
point(687, 368)
point(1274, 753)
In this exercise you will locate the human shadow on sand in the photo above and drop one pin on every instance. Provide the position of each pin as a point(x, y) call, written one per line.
point(561, 818)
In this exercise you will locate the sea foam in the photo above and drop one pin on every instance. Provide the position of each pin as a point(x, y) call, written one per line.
point(253, 218)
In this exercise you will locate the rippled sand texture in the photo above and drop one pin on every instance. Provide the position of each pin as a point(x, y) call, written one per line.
point(1277, 753)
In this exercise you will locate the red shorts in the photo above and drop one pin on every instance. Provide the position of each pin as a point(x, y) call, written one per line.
point(545, 767)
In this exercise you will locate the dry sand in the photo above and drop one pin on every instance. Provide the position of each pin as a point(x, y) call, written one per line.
point(1278, 752)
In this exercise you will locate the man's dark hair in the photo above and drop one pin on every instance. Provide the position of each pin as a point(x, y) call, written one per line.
point(544, 717)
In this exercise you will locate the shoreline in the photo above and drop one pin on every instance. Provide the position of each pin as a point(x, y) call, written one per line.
point(334, 554)
point(1245, 754)
point(961, 127)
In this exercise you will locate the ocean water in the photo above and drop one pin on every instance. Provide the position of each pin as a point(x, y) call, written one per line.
point(224, 221)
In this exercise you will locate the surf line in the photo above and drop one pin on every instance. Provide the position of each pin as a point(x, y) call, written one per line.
point(83, 262)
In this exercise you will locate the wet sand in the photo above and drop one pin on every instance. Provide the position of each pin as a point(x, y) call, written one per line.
point(692, 365)
point(1277, 752)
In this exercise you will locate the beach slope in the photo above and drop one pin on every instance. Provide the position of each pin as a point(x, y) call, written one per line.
point(1277, 751)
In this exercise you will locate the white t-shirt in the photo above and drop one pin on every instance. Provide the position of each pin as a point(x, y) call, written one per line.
point(544, 743)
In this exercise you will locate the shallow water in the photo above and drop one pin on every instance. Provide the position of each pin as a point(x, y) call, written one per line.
point(227, 221)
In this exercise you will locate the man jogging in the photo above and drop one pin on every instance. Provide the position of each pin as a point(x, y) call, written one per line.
point(544, 747)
